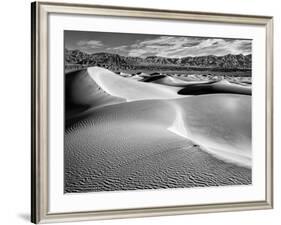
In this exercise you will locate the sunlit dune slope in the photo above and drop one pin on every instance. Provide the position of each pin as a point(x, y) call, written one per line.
point(130, 89)
point(220, 123)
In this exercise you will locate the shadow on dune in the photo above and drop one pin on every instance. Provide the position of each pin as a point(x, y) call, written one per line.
point(173, 81)
point(200, 87)
point(82, 93)
point(215, 88)
point(153, 78)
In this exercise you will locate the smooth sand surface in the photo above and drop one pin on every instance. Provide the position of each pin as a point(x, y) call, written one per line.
point(130, 89)
point(195, 141)
point(221, 124)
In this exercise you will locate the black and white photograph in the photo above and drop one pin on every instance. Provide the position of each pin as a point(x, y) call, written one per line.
point(141, 112)
point(146, 111)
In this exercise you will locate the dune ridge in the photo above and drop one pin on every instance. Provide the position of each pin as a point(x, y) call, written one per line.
point(172, 81)
point(130, 89)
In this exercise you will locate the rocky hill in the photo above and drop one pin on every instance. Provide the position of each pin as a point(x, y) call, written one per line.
point(115, 61)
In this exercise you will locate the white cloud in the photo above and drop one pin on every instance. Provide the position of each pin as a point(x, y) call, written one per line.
point(172, 46)
point(214, 47)
point(167, 46)
point(88, 45)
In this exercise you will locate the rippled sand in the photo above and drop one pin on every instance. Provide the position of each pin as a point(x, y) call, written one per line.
point(159, 143)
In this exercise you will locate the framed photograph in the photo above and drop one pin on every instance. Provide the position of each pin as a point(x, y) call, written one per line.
point(147, 112)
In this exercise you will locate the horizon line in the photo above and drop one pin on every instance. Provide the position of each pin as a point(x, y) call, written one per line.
point(154, 55)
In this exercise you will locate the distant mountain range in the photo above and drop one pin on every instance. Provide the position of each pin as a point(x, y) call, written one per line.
point(115, 61)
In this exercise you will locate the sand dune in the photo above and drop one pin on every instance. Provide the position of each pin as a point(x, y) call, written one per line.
point(128, 146)
point(125, 74)
point(191, 77)
point(142, 74)
point(153, 78)
point(82, 93)
point(172, 81)
point(199, 87)
point(222, 86)
point(159, 139)
point(137, 77)
point(130, 89)
point(221, 124)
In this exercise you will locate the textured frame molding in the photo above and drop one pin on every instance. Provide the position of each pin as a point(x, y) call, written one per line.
point(39, 110)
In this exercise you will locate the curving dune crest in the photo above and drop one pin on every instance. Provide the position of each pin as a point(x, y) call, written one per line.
point(142, 74)
point(173, 81)
point(130, 89)
point(221, 124)
point(200, 87)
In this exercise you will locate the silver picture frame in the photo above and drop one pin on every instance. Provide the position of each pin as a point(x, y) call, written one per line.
point(40, 101)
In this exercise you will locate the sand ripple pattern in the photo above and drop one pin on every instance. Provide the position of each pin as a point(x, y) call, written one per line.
point(127, 146)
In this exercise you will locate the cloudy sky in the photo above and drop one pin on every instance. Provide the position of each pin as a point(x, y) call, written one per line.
point(143, 45)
